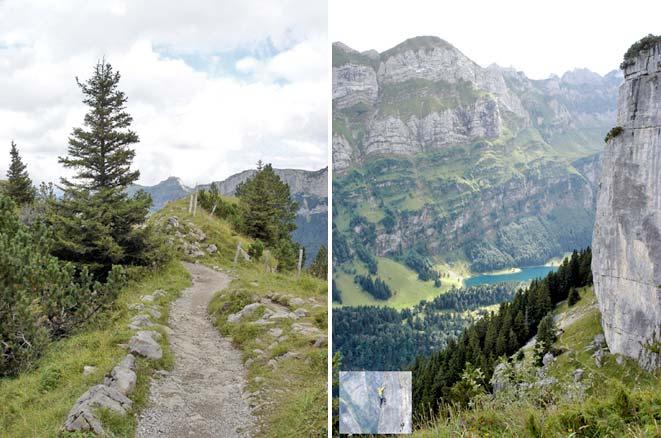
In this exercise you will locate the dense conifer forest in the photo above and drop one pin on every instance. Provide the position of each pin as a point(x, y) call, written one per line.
point(499, 334)
point(374, 337)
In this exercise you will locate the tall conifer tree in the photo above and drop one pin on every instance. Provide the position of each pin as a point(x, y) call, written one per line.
point(19, 185)
point(96, 221)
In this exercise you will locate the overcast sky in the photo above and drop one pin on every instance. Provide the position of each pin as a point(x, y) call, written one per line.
point(539, 38)
point(213, 86)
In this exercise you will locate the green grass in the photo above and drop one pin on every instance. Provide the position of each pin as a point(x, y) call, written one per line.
point(407, 289)
point(36, 403)
point(296, 389)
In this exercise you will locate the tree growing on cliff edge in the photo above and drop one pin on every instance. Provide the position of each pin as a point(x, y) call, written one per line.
point(19, 185)
point(96, 223)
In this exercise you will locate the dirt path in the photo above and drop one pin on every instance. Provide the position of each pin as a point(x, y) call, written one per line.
point(203, 395)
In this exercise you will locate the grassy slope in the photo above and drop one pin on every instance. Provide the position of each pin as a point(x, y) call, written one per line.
point(407, 288)
point(36, 403)
point(296, 389)
point(569, 409)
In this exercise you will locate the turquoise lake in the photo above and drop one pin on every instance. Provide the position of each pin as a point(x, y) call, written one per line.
point(526, 274)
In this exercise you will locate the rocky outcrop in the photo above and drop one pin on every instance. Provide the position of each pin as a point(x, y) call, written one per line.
point(299, 181)
point(626, 261)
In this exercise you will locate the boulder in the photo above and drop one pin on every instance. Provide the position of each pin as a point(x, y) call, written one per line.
point(153, 312)
point(500, 379)
point(247, 310)
point(598, 358)
point(145, 344)
point(123, 377)
point(140, 321)
point(212, 249)
point(173, 222)
point(296, 301)
point(82, 418)
point(276, 332)
point(578, 374)
point(305, 329)
point(547, 359)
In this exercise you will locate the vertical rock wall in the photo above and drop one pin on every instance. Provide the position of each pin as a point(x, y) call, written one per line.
point(626, 262)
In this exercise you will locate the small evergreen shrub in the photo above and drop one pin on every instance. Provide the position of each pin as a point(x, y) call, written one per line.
point(614, 132)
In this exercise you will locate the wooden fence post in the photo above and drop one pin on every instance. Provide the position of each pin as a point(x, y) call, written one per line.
point(300, 261)
point(238, 249)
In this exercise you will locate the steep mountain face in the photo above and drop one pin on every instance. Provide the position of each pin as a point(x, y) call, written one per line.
point(308, 188)
point(626, 260)
point(434, 153)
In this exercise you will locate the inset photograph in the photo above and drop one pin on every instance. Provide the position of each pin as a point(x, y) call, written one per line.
point(163, 219)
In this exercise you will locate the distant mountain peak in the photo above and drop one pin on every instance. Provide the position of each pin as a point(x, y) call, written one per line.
point(581, 76)
point(418, 43)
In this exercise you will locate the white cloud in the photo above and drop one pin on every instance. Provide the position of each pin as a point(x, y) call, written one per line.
point(539, 38)
point(199, 124)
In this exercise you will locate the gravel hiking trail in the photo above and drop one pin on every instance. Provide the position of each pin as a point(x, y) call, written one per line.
point(203, 396)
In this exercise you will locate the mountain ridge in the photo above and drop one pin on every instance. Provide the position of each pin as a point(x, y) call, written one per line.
point(308, 188)
point(437, 154)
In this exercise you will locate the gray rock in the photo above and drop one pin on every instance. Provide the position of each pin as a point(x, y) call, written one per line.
point(140, 321)
point(81, 417)
point(578, 374)
point(159, 293)
point(173, 222)
point(276, 332)
point(599, 342)
point(500, 380)
point(145, 344)
point(153, 312)
point(247, 310)
point(320, 342)
point(88, 369)
point(212, 249)
point(301, 312)
point(305, 329)
point(626, 252)
point(121, 378)
point(296, 301)
point(148, 298)
point(273, 363)
point(619, 359)
point(547, 381)
point(598, 358)
point(547, 359)
point(137, 306)
point(128, 362)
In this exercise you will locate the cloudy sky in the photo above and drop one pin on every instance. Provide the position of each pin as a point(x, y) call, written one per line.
point(213, 86)
point(540, 38)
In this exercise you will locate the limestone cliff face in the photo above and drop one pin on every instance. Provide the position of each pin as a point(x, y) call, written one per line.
point(626, 262)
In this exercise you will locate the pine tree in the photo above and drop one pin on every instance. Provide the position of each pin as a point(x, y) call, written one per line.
point(267, 209)
point(19, 185)
point(319, 267)
point(573, 297)
point(96, 222)
point(545, 336)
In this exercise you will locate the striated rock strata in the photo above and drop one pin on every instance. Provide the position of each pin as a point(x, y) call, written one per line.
point(626, 260)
